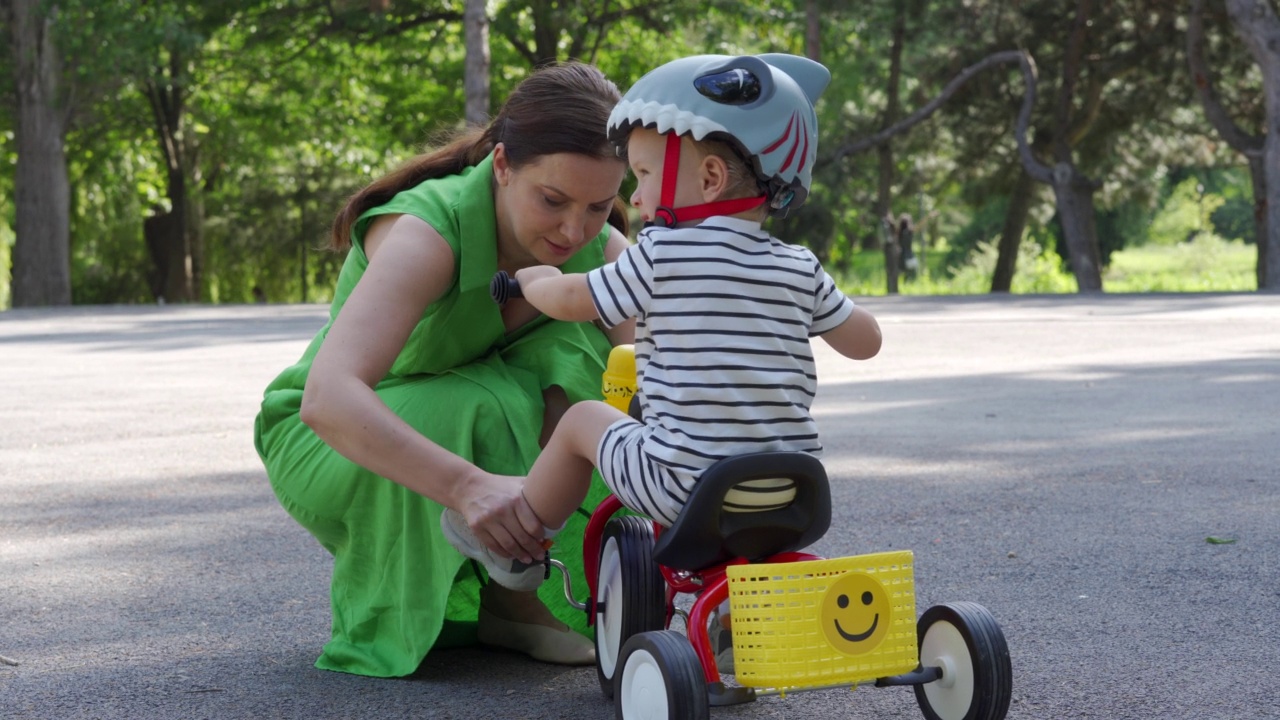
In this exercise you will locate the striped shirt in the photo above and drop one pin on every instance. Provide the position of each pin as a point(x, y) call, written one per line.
point(724, 315)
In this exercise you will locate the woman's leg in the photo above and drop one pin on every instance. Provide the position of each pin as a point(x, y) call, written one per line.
point(510, 609)
point(555, 404)
point(521, 607)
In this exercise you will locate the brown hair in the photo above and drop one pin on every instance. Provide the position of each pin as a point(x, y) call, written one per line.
point(558, 109)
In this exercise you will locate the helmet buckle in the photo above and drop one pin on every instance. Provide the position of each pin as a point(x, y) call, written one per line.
point(782, 198)
point(663, 217)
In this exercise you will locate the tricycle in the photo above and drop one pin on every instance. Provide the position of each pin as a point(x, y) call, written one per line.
point(799, 621)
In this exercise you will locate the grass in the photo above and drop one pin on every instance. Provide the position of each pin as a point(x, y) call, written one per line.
point(1206, 264)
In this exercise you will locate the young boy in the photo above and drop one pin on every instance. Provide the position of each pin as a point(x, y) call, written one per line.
point(724, 311)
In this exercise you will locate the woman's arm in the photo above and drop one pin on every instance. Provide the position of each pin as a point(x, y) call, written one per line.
point(410, 267)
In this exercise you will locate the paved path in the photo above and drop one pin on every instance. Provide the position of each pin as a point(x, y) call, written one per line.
point(1060, 460)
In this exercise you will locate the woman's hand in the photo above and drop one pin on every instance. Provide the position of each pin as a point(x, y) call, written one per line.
point(501, 518)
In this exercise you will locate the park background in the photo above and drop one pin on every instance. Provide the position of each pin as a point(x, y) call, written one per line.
point(173, 151)
point(1097, 469)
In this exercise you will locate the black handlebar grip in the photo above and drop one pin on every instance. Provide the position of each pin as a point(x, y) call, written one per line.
point(503, 287)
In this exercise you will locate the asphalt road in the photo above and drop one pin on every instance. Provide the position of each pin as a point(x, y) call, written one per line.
point(1061, 460)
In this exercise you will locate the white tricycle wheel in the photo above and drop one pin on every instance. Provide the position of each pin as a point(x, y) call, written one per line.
point(660, 678)
point(964, 641)
point(630, 592)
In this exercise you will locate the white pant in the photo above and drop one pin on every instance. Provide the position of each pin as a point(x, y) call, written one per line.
point(640, 483)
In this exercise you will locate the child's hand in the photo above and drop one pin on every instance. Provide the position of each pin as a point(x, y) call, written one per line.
point(528, 276)
point(557, 295)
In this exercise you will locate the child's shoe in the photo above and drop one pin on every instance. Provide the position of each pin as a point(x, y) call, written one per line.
point(507, 572)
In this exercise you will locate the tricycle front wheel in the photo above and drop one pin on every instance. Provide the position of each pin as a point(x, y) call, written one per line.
point(964, 641)
point(630, 594)
point(659, 676)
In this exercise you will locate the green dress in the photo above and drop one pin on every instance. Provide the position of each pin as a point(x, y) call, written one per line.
point(399, 589)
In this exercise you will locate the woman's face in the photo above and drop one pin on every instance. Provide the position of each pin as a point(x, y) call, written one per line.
point(550, 208)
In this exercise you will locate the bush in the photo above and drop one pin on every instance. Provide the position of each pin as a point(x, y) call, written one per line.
point(1039, 270)
point(1184, 214)
point(1208, 263)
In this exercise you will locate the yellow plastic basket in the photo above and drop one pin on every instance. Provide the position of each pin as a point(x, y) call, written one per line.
point(810, 624)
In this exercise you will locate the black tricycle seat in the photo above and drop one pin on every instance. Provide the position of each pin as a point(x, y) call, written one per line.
point(749, 506)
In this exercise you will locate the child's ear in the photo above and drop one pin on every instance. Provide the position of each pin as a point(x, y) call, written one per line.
point(715, 177)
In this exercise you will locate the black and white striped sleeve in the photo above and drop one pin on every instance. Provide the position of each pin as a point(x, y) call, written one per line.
point(621, 290)
point(831, 306)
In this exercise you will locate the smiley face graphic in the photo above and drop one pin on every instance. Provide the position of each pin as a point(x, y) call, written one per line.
point(855, 613)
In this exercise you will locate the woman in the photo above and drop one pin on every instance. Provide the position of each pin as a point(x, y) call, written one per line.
point(421, 393)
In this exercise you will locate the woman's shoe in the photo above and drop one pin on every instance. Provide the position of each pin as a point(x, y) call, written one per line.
point(721, 644)
point(562, 647)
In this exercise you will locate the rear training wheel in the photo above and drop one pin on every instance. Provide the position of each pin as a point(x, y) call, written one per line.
point(630, 592)
point(660, 678)
point(964, 640)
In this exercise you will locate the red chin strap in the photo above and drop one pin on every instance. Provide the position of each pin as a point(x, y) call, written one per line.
point(668, 216)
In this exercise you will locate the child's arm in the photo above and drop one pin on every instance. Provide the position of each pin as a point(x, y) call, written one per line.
point(857, 338)
point(560, 296)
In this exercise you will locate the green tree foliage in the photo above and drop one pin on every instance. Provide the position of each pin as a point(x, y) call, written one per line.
point(260, 117)
point(285, 146)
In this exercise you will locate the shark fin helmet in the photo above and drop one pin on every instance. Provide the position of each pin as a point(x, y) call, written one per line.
point(761, 105)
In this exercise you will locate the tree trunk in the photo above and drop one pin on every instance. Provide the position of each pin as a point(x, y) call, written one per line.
point(476, 72)
point(1271, 253)
point(1258, 180)
point(812, 31)
point(158, 231)
point(195, 238)
point(1251, 146)
point(1074, 195)
point(167, 241)
point(884, 152)
point(1015, 223)
point(1072, 191)
point(892, 253)
point(546, 33)
point(1257, 24)
point(42, 252)
point(167, 234)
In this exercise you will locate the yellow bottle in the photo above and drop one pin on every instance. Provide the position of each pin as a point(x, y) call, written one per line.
point(619, 381)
